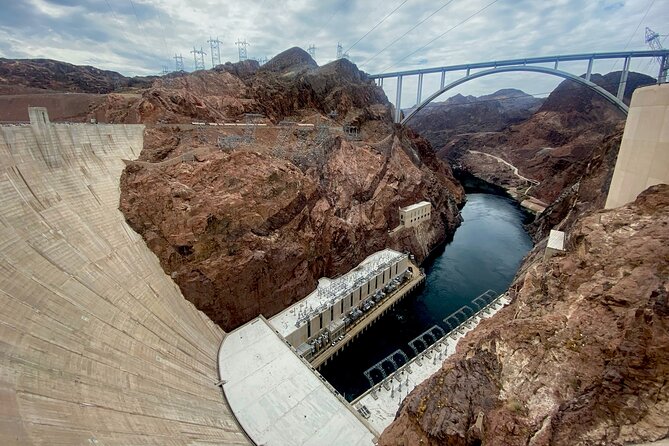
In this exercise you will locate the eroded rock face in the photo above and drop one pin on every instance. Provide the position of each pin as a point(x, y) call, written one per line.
point(250, 229)
point(245, 233)
point(39, 75)
point(579, 357)
point(552, 147)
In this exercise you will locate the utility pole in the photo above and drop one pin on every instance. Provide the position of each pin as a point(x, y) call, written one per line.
point(242, 49)
point(312, 51)
point(215, 46)
point(198, 58)
point(179, 63)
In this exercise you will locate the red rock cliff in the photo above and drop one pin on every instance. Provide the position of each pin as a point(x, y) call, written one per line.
point(579, 357)
point(249, 230)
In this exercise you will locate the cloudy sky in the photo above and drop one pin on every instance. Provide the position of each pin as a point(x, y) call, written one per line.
point(138, 37)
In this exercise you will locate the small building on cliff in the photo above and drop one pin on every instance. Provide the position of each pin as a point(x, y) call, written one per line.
point(415, 214)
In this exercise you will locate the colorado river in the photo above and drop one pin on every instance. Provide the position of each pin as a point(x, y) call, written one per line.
point(485, 253)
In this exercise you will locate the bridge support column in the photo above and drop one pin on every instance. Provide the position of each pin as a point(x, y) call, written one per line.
point(662, 75)
point(381, 82)
point(623, 79)
point(443, 80)
point(419, 91)
point(556, 64)
point(589, 72)
point(398, 101)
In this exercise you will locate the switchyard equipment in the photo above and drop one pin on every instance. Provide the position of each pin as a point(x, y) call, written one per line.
point(324, 314)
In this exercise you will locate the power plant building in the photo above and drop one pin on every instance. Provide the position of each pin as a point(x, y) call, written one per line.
point(415, 214)
point(325, 313)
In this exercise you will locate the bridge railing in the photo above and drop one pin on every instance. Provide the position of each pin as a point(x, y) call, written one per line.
point(505, 65)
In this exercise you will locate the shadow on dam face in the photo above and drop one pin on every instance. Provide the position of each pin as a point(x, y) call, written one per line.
point(97, 344)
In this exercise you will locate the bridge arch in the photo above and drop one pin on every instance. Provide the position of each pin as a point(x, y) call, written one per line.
point(563, 74)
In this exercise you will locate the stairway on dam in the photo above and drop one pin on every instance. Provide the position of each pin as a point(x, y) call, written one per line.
point(97, 344)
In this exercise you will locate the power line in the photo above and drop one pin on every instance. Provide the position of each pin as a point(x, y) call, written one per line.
point(332, 16)
point(650, 5)
point(403, 35)
point(443, 34)
point(377, 25)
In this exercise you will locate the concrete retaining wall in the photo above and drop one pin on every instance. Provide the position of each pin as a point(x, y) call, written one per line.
point(643, 160)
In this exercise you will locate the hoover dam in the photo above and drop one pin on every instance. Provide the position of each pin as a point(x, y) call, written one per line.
point(98, 344)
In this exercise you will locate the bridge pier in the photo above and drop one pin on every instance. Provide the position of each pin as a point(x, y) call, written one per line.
point(588, 74)
point(419, 90)
point(623, 79)
point(662, 75)
point(398, 101)
point(443, 80)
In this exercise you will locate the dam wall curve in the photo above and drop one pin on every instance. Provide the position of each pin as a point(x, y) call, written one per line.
point(97, 344)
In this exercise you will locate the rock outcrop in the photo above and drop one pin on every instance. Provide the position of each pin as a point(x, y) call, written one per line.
point(439, 122)
point(245, 233)
point(249, 230)
point(579, 357)
point(37, 75)
point(552, 147)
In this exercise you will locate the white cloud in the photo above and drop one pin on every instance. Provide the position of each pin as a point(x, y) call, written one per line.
point(107, 33)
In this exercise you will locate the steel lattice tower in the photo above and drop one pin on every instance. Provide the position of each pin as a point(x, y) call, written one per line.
point(178, 62)
point(198, 58)
point(653, 41)
point(242, 49)
point(340, 50)
point(215, 46)
point(312, 51)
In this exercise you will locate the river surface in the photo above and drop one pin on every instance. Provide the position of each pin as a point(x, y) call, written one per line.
point(485, 253)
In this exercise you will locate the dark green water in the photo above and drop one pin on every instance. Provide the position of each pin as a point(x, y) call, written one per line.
point(485, 253)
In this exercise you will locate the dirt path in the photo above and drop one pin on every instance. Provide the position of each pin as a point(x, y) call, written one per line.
point(513, 168)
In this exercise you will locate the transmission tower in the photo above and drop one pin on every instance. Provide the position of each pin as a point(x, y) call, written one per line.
point(178, 62)
point(215, 46)
point(198, 58)
point(242, 49)
point(340, 50)
point(312, 51)
point(165, 70)
point(653, 41)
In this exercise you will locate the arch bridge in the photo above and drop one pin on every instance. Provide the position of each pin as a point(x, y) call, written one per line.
point(533, 65)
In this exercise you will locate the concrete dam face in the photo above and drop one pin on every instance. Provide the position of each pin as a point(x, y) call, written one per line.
point(97, 344)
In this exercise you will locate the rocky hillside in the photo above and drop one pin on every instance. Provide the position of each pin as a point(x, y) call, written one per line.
point(250, 229)
point(40, 75)
point(579, 357)
point(551, 148)
point(441, 121)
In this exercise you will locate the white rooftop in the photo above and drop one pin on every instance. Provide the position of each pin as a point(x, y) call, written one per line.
point(277, 398)
point(415, 206)
point(329, 291)
point(556, 240)
point(383, 408)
